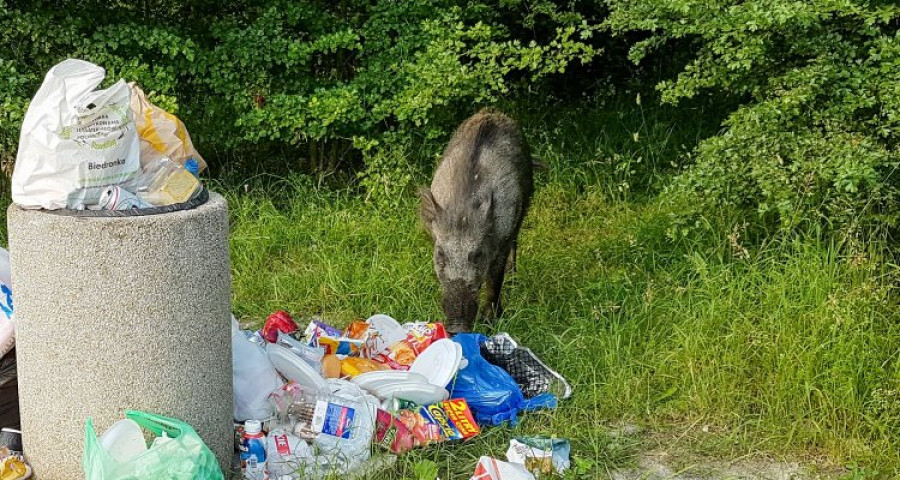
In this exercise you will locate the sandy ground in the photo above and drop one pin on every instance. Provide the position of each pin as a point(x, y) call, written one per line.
point(660, 466)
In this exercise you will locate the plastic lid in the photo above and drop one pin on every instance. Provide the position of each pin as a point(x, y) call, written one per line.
point(294, 368)
point(439, 362)
point(192, 166)
point(124, 441)
point(252, 426)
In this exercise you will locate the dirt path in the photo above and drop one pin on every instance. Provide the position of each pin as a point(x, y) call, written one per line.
point(659, 465)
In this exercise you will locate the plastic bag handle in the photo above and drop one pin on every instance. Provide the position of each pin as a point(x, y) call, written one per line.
point(90, 437)
point(157, 424)
point(95, 457)
point(543, 400)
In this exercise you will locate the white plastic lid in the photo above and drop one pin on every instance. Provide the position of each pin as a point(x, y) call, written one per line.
point(292, 367)
point(252, 426)
point(418, 393)
point(124, 441)
point(439, 362)
point(373, 380)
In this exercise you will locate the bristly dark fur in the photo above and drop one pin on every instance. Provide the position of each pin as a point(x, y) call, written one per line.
point(474, 209)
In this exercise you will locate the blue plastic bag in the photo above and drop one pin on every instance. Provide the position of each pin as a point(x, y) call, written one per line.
point(492, 394)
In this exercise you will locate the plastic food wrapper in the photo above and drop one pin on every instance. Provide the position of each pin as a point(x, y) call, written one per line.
point(540, 454)
point(417, 427)
point(533, 376)
point(421, 335)
point(320, 334)
point(316, 329)
point(339, 345)
point(357, 330)
point(492, 394)
point(353, 366)
point(399, 356)
point(397, 345)
point(492, 469)
point(161, 133)
point(13, 465)
point(386, 343)
point(392, 434)
point(383, 332)
point(279, 321)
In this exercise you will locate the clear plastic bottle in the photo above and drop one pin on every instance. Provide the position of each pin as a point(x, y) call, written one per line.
point(337, 425)
point(165, 182)
point(287, 455)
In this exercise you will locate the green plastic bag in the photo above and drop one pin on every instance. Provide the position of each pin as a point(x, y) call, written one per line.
point(182, 457)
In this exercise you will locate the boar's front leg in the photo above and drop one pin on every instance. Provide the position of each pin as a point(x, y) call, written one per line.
point(496, 273)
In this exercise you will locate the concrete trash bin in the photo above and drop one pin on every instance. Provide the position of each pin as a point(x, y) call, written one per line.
point(117, 313)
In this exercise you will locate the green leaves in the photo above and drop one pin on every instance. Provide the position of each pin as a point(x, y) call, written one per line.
point(817, 136)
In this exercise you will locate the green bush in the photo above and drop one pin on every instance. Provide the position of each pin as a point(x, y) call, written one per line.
point(328, 84)
point(815, 139)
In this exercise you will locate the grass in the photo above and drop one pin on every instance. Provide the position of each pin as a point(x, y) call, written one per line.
point(786, 348)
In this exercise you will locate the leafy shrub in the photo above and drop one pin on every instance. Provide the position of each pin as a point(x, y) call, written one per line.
point(815, 141)
point(320, 82)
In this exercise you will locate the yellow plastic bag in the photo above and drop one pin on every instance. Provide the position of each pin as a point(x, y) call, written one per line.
point(162, 134)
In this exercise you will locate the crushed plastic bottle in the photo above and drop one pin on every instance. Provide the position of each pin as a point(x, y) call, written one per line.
point(286, 454)
point(165, 182)
point(335, 426)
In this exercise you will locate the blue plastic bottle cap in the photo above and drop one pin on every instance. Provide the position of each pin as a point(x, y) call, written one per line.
point(192, 166)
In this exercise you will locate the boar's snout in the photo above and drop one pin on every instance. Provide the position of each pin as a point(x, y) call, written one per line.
point(460, 304)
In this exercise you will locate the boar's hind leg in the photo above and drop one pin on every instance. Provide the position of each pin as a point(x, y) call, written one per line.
point(511, 263)
point(496, 273)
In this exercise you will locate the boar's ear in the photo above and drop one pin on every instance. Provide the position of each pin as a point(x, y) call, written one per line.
point(429, 210)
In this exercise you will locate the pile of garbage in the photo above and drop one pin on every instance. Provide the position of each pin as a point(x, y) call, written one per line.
point(311, 402)
point(87, 149)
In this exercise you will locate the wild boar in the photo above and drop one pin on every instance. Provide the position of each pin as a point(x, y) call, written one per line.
point(473, 212)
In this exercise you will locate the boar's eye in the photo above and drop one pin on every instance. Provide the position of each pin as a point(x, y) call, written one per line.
point(476, 256)
point(440, 257)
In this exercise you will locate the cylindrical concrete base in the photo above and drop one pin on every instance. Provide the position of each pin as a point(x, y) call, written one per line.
point(120, 313)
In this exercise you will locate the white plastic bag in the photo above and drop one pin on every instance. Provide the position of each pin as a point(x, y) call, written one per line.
point(74, 137)
point(492, 469)
point(254, 377)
